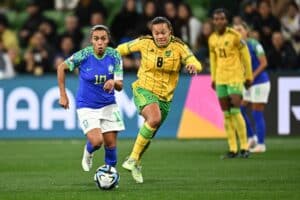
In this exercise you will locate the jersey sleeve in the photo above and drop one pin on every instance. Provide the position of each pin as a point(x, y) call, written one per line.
point(259, 50)
point(187, 57)
point(118, 69)
point(130, 47)
point(75, 60)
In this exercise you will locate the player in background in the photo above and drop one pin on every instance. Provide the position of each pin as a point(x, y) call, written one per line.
point(162, 55)
point(230, 70)
point(257, 95)
point(100, 73)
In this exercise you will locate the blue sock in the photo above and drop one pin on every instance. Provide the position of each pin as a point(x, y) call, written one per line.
point(90, 148)
point(259, 125)
point(111, 156)
point(247, 121)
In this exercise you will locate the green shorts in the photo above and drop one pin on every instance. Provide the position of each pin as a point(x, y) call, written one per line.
point(225, 90)
point(143, 97)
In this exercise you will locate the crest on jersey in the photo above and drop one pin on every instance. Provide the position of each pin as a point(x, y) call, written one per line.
point(226, 43)
point(110, 69)
point(168, 53)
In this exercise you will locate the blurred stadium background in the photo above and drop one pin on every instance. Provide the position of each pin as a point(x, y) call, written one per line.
point(41, 144)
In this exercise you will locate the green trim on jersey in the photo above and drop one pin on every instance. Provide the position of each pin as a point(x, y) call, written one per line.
point(76, 59)
point(258, 48)
point(229, 89)
point(118, 70)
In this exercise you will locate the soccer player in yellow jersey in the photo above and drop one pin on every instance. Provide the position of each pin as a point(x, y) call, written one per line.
point(162, 55)
point(230, 71)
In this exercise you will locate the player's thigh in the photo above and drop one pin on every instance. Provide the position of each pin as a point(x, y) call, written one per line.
point(223, 96)
point(235, 91)
point(260, 93)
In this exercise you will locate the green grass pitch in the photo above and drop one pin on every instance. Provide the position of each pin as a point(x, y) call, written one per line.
point(172, 169)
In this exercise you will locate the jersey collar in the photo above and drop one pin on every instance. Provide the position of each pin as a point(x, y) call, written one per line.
point(98, 57)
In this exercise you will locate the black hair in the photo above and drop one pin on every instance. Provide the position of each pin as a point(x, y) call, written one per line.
point(221, 10)
point(162, 20)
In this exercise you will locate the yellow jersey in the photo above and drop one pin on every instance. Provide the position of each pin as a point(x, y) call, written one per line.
point(230, 59)
point(160, 66)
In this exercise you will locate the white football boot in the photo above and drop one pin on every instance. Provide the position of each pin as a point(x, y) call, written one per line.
point(129, 163)
point(134, 166)
point(87, 160)
point(136, 173)
point(259, 148)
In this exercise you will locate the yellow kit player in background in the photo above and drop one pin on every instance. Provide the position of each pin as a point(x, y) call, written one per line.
point(230, 70)
point(162, 55)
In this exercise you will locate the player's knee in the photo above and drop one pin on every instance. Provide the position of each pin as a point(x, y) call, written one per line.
point(110, 144)
point(236, 101)
point(154, 122)
point(96, 141)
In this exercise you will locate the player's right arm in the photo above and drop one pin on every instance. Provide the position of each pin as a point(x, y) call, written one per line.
point(212, 61)
point(63, 100)
point(131, 46)
point(70, 63)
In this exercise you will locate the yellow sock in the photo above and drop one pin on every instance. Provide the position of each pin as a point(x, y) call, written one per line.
point(231, 137)
point(142, 141)
point(240, 127)
point(138, 147)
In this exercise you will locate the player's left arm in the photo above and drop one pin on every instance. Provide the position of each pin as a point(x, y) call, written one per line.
point(190, 61)
point(117, 82)
point(246, 60)
point(260, 53)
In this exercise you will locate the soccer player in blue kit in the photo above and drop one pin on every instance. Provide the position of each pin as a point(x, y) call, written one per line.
point(100, 73)
point(257, 95)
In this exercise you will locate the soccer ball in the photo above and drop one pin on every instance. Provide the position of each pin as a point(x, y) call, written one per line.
point(106, 177)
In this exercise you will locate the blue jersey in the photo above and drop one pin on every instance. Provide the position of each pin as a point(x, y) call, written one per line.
point(256, 50)
point(93, 73)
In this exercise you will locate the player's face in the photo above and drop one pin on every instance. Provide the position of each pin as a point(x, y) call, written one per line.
point(220, 22)
point(99, 41)
point(241, 30)
point(161, 34)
